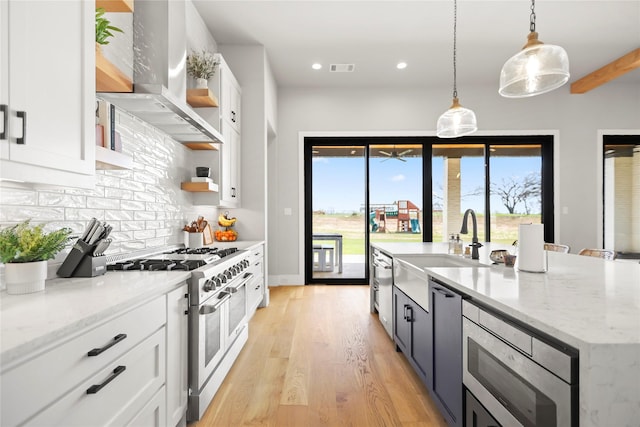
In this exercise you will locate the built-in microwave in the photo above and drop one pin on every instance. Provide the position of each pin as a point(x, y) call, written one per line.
point(521, 379)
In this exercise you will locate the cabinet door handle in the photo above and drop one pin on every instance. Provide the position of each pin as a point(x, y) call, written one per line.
point(5, 119)
point(97, 387)
point(116, 340)
point(23, 139)
point(445, 293)
point(233, 191)
point(410, 315)
point(233, 116)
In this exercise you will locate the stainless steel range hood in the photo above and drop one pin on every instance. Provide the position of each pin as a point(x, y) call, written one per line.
point(159, 73)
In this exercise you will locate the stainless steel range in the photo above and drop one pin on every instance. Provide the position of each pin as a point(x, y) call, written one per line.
point(217, 327)
point(217, 312)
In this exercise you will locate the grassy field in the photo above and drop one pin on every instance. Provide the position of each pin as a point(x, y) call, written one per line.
point(504, 229)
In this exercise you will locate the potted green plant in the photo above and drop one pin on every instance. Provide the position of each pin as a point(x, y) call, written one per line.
point(201, 66)
point(25, 249)
point(103, 28)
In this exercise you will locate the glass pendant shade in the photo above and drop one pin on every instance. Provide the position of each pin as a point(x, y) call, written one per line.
point(456, 121)
point(538, 68)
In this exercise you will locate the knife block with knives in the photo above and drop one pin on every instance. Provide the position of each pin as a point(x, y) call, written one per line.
point(86, 258)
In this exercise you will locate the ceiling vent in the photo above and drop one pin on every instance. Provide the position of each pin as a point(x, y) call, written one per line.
point(342, 68)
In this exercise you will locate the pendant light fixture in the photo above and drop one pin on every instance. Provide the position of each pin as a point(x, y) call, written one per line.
point(538, 68)
point(457, 120)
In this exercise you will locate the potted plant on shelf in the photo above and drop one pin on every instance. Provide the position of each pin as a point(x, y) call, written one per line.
point(201, 66)
point(25, 249)
point(103, 29)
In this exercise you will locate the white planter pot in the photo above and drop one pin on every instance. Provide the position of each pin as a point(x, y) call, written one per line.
point(25, 277)
point(202, 83)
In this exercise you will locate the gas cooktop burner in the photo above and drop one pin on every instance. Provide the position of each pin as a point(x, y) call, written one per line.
point(205, 251)
point(157, 264)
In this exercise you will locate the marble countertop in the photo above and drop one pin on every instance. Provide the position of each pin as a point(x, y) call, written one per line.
point(31, 321)
point(589, 303)
point(66, 306)
point(579, 300)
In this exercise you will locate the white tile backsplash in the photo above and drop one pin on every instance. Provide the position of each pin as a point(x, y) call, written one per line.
point(145, 206)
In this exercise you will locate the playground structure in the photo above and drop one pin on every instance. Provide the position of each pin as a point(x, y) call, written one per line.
point(405, 213)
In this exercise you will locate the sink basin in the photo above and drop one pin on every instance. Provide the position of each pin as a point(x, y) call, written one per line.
point(441, 260)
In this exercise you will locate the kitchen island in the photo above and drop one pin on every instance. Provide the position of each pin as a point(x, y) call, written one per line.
point(588, 303)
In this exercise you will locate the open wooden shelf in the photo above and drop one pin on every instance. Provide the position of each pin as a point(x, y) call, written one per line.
point(109, 78)
point(109, 160)
point(198, 98)
point(115, 5)
point(200, 187)
point(201, 145)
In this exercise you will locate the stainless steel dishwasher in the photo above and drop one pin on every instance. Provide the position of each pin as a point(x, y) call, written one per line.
point(382, 288)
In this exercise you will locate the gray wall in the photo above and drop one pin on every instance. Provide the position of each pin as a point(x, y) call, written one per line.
point(575, 118)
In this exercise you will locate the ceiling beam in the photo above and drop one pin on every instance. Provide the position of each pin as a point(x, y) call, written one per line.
point(613, 70)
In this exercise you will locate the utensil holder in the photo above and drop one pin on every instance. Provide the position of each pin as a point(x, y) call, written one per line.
point(195, 240)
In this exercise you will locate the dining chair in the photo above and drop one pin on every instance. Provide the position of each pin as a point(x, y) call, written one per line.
point(599, 253)
point(555, 247)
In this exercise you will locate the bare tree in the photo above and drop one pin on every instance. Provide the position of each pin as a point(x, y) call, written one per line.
point(513, 191)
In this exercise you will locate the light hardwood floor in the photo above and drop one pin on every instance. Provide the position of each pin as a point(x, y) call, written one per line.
point(317, 357)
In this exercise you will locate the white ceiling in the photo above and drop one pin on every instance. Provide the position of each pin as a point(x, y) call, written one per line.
point(376, 35)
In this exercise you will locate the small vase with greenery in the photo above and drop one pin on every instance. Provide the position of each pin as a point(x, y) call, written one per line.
point(25, 249)
point(104, 28)
point(201, 66)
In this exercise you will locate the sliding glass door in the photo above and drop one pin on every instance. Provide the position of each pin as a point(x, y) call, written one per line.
point(416, 189)
point(338, 227)
point(621, 195)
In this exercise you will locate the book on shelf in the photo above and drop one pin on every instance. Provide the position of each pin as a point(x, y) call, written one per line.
point(103, 119)
point(112, 128)
point(200, 179)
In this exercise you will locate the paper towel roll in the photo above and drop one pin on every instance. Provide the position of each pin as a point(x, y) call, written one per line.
point(531, 254)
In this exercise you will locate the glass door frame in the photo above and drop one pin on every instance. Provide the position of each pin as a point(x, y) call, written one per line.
point(546, 143)
point(365, 142)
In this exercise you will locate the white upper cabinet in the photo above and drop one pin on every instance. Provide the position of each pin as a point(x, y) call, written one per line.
point(231, 97)
point(47, 87)
point(230, 167)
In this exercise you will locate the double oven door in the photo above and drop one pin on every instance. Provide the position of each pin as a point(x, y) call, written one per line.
point(214, 326)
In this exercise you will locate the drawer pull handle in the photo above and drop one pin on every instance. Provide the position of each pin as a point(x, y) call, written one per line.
point(5, 118)
point(97, 387)
point(23, 139)
point(116, 340)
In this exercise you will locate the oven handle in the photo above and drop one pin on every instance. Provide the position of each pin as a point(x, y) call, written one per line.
point(208, 309)
point(384, 266)
point(245, 280)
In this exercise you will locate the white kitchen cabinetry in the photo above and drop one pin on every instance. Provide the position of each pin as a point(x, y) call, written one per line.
point(230, 127)
point(224, 162)
point(177, 335)
point(231, 96)
point(105, 375)
point(256, 287)
point(229, 167)
point(47, 90)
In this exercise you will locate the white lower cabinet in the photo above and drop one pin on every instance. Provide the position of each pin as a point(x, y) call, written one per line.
point(128, 370)
point(153, 413)
point(177, 335)
point(256, 287)
point(116, 394)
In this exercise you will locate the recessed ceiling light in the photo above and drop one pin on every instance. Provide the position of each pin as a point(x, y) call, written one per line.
point(316, 66)
point(401, 65)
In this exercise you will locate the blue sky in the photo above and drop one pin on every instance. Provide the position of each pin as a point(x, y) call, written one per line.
point(339, 181)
